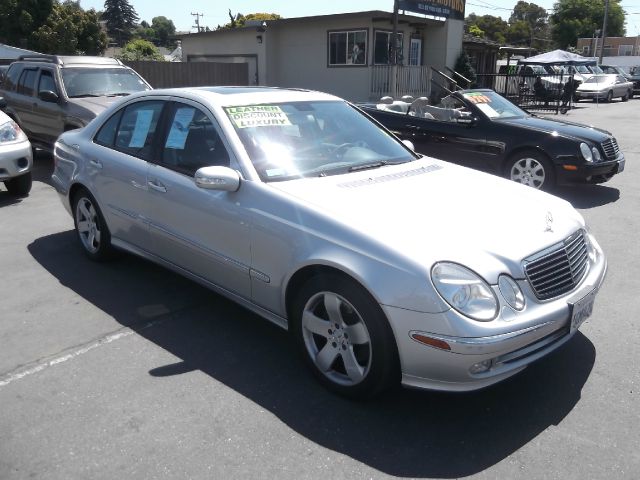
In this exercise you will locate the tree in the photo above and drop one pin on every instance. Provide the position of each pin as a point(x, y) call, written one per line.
point(528, 26)
point(239, 19)
point(139, 49)
point(70, 30)
point(574, 19)
point(464, 68)
point(494, 28)
point(121, 19)
point(20, 18)
point(163, 28)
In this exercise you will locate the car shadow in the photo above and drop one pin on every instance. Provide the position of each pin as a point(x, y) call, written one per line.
point(402, 433)
point(588, 196)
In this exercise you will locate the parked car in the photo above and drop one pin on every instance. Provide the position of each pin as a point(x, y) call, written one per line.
point(385, 266)
point(483, 130)
point(634, 76)
point(15, 157)
point(47, 95)
point(614, 70)
point(606, 87)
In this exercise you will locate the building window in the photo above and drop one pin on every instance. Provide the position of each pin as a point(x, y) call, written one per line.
point(625, 50)
point(382, 47)
point(348, 48)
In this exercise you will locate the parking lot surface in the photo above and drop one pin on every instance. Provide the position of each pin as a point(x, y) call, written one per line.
point(125, 370)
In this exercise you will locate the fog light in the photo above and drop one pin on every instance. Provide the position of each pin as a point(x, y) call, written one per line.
point(480, 367)
point(23, 163)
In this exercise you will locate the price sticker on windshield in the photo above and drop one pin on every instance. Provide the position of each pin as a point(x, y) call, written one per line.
point(477, 97)
point(257, 116)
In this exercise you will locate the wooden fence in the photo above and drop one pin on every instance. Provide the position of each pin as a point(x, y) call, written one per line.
point(191, 74)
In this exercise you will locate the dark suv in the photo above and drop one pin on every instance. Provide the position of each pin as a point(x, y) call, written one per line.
point(47, 95)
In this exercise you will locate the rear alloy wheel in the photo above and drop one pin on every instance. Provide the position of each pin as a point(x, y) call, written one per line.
point(532, 169)
point(344, 337)
point(91, 228)
point(19, 186)
point(609, 96)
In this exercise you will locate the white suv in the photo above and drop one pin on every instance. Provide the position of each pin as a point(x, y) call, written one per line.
point(16, 157)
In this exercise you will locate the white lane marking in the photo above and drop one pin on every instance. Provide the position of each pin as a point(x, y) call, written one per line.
point(57, 360)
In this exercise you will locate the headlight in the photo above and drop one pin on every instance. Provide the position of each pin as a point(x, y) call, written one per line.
point(511, 292)
point(10, 132)
point(586, 152)
point(465, 291)
point(596, 154)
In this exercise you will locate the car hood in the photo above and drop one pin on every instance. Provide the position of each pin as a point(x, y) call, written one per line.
point(429, 210)
point(96, 105)
point(595, 87)
point(566, 129)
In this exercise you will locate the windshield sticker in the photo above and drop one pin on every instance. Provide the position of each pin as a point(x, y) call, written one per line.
point(257, 116)
point(487, 110)
point(180, 128)
point(141, 130)
point(477, 97)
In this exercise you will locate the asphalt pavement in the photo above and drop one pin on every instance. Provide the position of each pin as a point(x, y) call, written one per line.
point(125, 370)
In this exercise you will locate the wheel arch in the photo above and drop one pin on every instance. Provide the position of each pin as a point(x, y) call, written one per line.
point(520, 149)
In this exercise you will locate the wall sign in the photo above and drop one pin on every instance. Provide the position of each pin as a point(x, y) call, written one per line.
point(437, 8)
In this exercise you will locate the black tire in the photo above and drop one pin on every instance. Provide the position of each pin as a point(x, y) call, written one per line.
point(626, 96)
point(370, 350)
point(610, 96)
point(531, 168)
point(19, 186)
point(93, 234)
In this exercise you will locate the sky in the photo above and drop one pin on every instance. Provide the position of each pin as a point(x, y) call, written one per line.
point(215, 14)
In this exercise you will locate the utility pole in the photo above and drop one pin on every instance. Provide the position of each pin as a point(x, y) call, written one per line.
point(394, 52)
point(197, 21)
point(604, 29)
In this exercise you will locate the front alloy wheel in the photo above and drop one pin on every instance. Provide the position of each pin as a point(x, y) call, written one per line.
point(344, 336)
point(532, 170)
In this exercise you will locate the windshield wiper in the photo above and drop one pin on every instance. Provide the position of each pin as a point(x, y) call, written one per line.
point(118, 94)
point(83, 95)
point(368, 166)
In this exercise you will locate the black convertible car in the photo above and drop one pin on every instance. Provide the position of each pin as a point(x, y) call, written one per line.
point(483, 130)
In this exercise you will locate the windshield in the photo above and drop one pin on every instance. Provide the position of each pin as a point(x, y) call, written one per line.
point(581, 69)
point(99, 82)
point(312, 139)
point(493, 105)
point(599, 79)
point(635, 70)
point(597, 69)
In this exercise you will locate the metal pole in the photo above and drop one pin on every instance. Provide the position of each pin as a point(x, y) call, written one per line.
point(604, 29)
point(394, 51)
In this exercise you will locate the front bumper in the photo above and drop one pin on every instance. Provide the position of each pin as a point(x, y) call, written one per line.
point(575, 170)
point(592, 95)
point(540, 328)
point(15, 159)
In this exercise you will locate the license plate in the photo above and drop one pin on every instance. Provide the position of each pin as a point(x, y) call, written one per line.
point(620, 166)
point(581, 310)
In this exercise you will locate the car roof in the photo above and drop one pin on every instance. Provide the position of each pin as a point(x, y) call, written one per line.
point(71, 60)
point(242, 95)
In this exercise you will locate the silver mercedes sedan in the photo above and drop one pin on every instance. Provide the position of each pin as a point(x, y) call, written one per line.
point(386, 266)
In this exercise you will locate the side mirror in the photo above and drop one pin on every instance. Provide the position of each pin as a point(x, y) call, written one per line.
point(3, 103)
point(218, 178)
point(409, 144)
point(48, 96)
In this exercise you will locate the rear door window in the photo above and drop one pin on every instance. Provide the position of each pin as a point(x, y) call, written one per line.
point(26, 84)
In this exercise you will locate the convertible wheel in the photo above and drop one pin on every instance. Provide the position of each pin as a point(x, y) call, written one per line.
point(532, 169)
point(344, 337)
point(609, 96)
point(19, 186)
point(91, 228)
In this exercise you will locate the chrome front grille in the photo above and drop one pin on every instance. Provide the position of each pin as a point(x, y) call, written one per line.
point(611, 149)
point(559, 269)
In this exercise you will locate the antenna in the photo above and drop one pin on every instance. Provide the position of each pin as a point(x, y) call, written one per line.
point(197, 21)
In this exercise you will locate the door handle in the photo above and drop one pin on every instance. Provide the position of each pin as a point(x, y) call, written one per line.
point(158, 187)
point(95, 163)
point(138, 185)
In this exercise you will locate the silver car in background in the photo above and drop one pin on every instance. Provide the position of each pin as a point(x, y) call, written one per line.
point(605, 87)
point(386, 266)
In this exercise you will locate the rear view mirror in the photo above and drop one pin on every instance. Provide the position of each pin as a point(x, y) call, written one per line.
point(48, 96)
point(218, 178)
